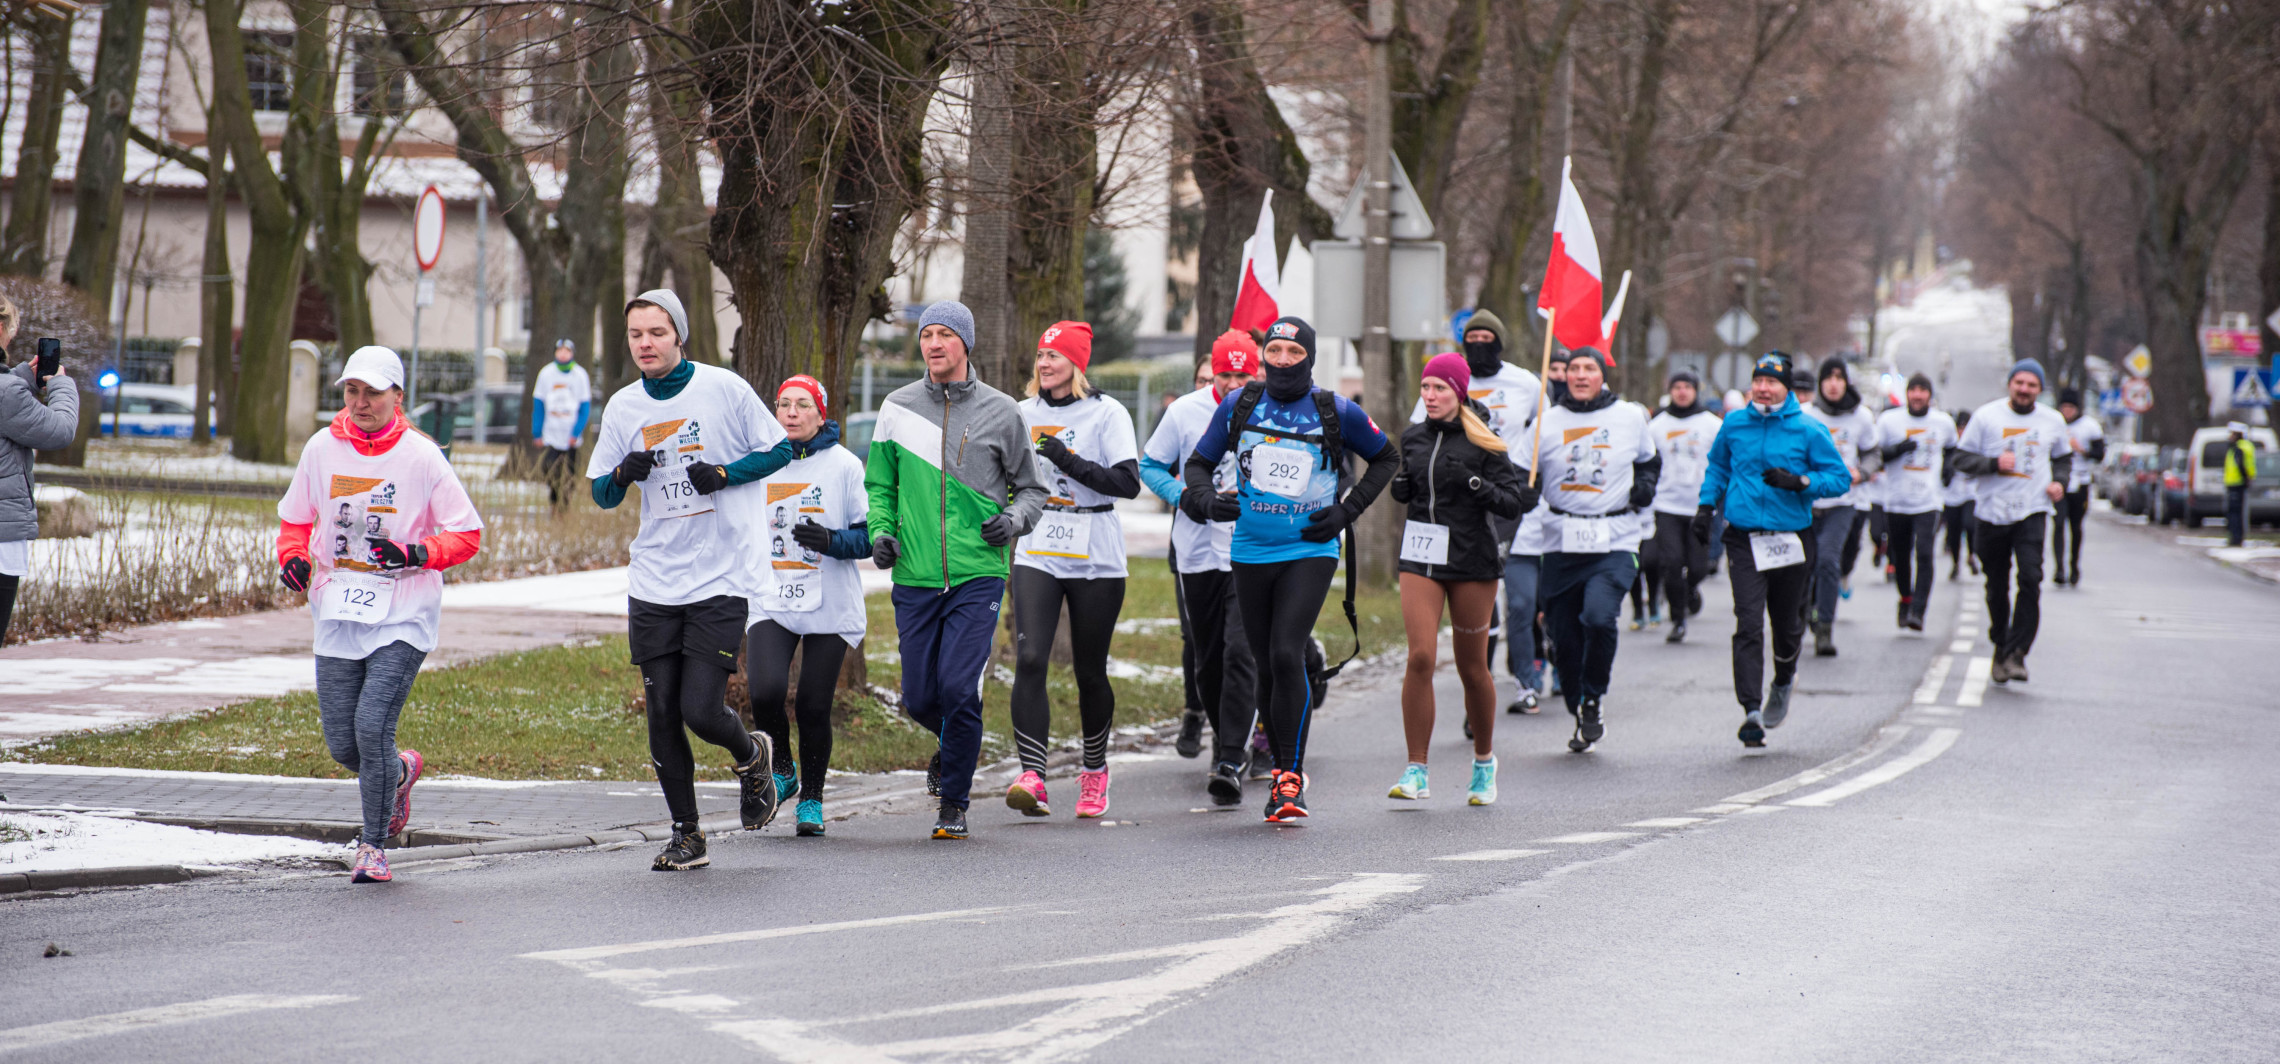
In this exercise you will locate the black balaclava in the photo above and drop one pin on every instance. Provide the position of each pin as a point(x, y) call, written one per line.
point(1485, 359)
point(1290, 383)
point(1559, 387)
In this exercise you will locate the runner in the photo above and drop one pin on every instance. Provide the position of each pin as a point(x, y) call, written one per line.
point(1074, 556)
point(1189, 742)
point(1598, 473)
point(1955, 513)
point(695, 438)
point(813, 605)
point(1916, 440)
point(943, 519)
point(559, 405)
point(378, 594)
point(1836, 407)
point(1456, 478)
point(1766, 467)
point(1682, 433)
point(2088, 442)
point(1226, 679)
point(1524, 646)
point(1290, 447)
point(2018, 454)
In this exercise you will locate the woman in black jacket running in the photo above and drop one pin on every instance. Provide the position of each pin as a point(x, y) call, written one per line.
point(1455, 474)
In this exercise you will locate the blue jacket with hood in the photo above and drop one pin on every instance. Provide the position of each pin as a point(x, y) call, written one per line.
point(1748, 444)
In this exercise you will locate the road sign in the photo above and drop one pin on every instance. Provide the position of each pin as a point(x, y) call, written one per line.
point(2139, 361)
point(427, 229)
point(2231, 342)
point(1409, 219)
point(1736, 327)
point(424, 295)
point(2110, 403)
point(1730, 370)
point(2250, 388)
point(2272, 321)
point(1418, 300)
point(2137, 395)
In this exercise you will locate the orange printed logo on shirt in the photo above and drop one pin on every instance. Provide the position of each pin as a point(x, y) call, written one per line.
point(354, 485)
point(1572, 435)
point(652, 435)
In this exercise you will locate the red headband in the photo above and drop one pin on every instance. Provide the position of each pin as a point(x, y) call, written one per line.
point(809, 385)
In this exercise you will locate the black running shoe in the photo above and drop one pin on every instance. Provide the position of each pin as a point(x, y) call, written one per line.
point(1903, 617)
point(1587, 722)
point(1777, 705)
point(951, 822)
point(1753, 729)
point(756, 786)
point(1526, 703)
point(1262, 764)
point(1824, 641)
point(1190, 742)
point(934, 775)
point(1915, 621)
point(2019, 667)
point(686, 850)
point(1226, 785)
point(1287, 800)
point(1677, 631)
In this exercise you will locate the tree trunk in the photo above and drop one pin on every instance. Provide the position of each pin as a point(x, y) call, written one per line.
point(335, 200)
point(216, 312)
point(1639, 224)
point(1505, 288)
point(1429, 107)
point(676, 226)
point(1055, 160)
point(99, 186)
point(2268, 267)
point(988, 231)
point(23, 247)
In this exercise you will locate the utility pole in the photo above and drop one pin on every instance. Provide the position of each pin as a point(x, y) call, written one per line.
point(1379, 532)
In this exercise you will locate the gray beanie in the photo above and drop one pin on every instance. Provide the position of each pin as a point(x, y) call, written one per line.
point(672, 306)
point(2026, 365)
point(951, 315)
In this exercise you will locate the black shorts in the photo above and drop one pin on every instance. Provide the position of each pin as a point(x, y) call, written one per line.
point(707, 630)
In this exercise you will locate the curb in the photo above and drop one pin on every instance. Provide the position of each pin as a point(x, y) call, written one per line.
point(118, 876)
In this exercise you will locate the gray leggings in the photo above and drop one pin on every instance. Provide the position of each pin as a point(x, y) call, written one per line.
point(358, 701)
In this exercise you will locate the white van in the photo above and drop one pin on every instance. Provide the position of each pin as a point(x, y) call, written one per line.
point(2205, 470)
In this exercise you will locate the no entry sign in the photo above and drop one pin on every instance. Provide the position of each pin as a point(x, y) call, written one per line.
point(427, 228)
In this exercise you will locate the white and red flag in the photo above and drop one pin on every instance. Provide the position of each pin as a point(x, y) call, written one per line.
point(1571, 294)
point(1258, 298)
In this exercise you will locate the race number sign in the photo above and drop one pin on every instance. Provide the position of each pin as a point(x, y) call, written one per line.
point(667, 491)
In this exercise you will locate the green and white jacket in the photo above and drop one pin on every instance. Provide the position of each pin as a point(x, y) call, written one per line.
point(945, 458)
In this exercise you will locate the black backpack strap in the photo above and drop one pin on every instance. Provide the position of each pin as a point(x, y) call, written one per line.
point(1353, 623)
point(1326, 411)
point(1245, 401)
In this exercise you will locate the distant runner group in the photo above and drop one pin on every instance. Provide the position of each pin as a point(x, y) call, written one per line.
point(752, 522)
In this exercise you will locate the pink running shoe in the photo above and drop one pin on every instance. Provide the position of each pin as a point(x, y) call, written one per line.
point(413, 764)
point(1028, 795)
point(1092, 793)
point(371, 865)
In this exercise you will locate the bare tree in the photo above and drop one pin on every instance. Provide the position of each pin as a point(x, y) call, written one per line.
point(99, 185)
point(23, 248)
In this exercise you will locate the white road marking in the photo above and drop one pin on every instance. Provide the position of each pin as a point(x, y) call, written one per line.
point(1962, 630)
point(47, 1034)
point(1961, 646)
point(1975, 677)
point(1665, 822)
point(1933, 746)
point(1722, 808)
point(1935, 678)
point(1586, 838)
point(1885, 737)
point(1491, 855)
point(596, 953)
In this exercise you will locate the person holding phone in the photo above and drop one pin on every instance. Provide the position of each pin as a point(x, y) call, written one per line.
point(28, 422)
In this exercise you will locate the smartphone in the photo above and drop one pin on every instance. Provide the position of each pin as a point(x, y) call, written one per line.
point(50, 357)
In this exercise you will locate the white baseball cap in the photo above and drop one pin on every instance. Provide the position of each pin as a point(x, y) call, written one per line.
point(2235, 426)
point(376, 366)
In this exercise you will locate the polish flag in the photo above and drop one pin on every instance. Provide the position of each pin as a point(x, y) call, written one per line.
point(1571, 295)
point(1258, 299)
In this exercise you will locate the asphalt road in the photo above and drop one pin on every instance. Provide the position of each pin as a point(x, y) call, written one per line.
point(2082, 868)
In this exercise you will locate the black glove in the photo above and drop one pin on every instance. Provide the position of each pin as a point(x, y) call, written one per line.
point(884, 551)
point(1530, 495)
point(1199, 503)
point(1700, 526)
point(634, 468)
point(811, 535)
point(393, 555)
point(1226, 507)
point(294, 574)
point(1054, 451)
point(1642, 495)
point(1400, 487)
point(1325, 523)
point(1898, 449)
point(706, 477)
point(999, 530)
point(1777, 477)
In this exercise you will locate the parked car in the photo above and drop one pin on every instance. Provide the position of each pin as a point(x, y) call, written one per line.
point(2112, 479)
point(160, 411)
point(2200, 484)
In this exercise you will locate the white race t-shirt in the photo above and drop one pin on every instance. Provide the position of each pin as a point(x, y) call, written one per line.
point(1912, 481)
point(2079, 434)
point(560, 394)
point(1587, 472)
point(1079, 536)
point(1855, 434)
point(689, 556)
point(1510, 396)
point(808, 592)
point(1684, 443)
point(405, 494)
point(2034, 438)
point(1196, 548)
point(1958, 491)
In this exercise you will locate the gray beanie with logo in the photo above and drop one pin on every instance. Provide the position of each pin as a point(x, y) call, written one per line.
point(672, 306)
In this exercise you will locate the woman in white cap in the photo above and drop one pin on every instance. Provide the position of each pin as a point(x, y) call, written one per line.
point(377, 598)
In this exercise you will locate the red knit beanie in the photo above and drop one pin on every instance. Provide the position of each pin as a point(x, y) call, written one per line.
point(1073, 339)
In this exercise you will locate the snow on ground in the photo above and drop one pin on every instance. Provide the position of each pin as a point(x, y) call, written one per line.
point(90, 840)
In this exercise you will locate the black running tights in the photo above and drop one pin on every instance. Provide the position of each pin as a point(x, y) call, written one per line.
point(768, 649)
point(1280, 601)
point(688, 695)
point(7, 604)
point(1093, 607)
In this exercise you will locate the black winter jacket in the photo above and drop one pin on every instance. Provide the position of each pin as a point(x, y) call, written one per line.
point(1438, 467)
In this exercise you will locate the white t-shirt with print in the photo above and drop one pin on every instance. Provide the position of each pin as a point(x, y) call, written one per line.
point(1587, 472)
point(1855, 434)
point(806, 591)
point(356, 501)
point(717, 418)
point(2034, 438)
point(2079, 434)
point(1196, 547)
point(1912, 481)
point(1068, 542)
point(560, 393)
point(1684, 443)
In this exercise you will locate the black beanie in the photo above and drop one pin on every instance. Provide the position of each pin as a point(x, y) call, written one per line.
point(1289, 327)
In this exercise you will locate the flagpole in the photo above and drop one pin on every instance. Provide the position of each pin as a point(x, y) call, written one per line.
point(1543, 396)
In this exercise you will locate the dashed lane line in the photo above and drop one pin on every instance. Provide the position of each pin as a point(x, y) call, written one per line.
point(1935, 680)
point(1666, 822)
point(1587, 838)
point(1884, 739)
point(1975, 677)
point(1934, 745)
point(1961, 646)
point(47, 1034)
point(1491, 855)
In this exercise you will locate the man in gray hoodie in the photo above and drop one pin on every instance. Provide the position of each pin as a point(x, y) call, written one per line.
point(26, 425)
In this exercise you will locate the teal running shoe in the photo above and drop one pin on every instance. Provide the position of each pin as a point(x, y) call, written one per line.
point(1483, 790)
point(787, 787)
point(1412, 785)
point(810, 818)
